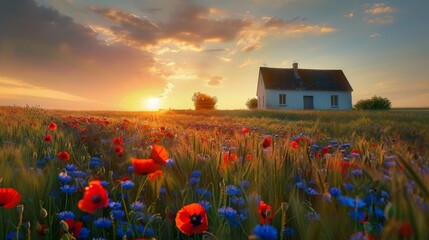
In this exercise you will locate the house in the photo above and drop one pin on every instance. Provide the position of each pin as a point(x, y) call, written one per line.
point(293, 88)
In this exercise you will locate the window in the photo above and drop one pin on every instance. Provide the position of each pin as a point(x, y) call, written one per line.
point(282, 99)
point(334, 100)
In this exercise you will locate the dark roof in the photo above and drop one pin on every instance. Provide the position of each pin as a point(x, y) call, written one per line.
point(310, 79)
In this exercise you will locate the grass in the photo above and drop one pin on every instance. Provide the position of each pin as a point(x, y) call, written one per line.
point(379, 158)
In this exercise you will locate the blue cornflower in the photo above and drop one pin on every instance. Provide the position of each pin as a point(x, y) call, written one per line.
point(127, 184)
point(130, 169)
point(115, 205)
point(78, 174)
point(289, 232)
point(351, 202)
point(232, 190)
point(203, 193)
point(103, 223)
point(84, 233)
point(311, 191)
point(148, 232)
point(104, 183)
point(66, 215)
point(117, 214)
point(170, 162)
point(312, 216)
point(335, 192)
point(162, 190)
point(266, 232)
point(41, 163)
point(230, 214)
point(357, 215)
point(12, 236)
point(137, 206)
point(70, 168)
point(345, 145)
point(349, 186)
point(196, 174)
point(238, 201)
point(194, 180)
point(384, 194)
point(63, 177)
point(357, 172)
point(206, 205)
point(300, 185)
point(95, 161)
point(245, 184)
point(67, 189)
point(314, 146)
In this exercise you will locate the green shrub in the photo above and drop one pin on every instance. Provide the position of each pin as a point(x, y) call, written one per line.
point(374, 103)
point(252, 103)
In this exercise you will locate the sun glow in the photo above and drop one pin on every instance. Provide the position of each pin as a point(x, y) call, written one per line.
point(152, 104)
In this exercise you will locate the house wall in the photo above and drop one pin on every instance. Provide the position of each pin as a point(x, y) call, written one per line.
point(261, 93)
point(295, 99)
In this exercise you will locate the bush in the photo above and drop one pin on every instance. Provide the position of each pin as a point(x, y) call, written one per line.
point(375, 103)
point(204, 101)
point(252, 103)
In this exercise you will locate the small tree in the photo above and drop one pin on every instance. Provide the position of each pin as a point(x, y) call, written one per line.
point(204, 101)
point(375, 103)
point(252, 103)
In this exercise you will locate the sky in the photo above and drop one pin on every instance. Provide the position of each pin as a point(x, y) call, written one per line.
point(145, 55)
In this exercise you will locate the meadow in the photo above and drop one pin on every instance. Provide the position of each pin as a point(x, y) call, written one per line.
point(213, 174)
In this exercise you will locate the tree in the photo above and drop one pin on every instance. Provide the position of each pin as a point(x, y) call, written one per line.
point(375, 103)
point(204, 101)
point(252, 103)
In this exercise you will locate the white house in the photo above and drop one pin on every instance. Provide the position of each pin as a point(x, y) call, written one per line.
point(293, 88)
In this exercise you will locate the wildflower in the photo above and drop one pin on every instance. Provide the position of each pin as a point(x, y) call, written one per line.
point(206, 205)
point(9, 197)
point(159, 154)
point(192, 219)
point(117, 141)
point(266, 232)
point(405, 230)
point(162, 190)
point(230, 214)
point(127, 184)
point(103, 223)
point(357, 172)
point(196, 174)
point(155, 175)
point(117, 214)
point(137, 206)
point(47, 138)
point(325, 150)
point(245, 184)
point(115, 205)
point(95, 197)
point(67, 189)
point(265, 213)
point(194, 181)
point(311, 191)
point(70, 168)
point(335, 192)
point(294, 145)
point(118, 149)
point(52, 126)
point(351, 202)
point(63, 177)
point(244, 130)
point(144, 166)
point(349, 186)
point(64, 156)
point(232, 190)
point(203, 193)
point(95, 161)
point(84, 233)
point(266, 143)
point(228, 159)
point(64, 215)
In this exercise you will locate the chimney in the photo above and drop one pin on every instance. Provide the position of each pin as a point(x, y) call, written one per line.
point(295, 70)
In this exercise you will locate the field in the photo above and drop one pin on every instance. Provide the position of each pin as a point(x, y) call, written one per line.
point(213, 175)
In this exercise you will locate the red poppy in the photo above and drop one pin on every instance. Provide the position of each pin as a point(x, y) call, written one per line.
point(144, 166)
point(354, 150)
point(169, 134)
point(294, 145)
point(64, 156)
point(162, 128)
point(9, 197)
point(73, 227)
point(117, 149)
point(83, 139)
point(159, 154)
point(362, 235)
point(192, 219)
point(267, 142)
point(265, 213)
point(249, 157)
point(117, 141)
point(244, 130)
point(95, 196)
point(228, 159)
point(405, 230)
point(52, 126)
point(42, 229)
point(155, 175)
point(325, 150)
point(47, 138)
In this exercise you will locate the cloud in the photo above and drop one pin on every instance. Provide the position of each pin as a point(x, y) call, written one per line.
point(40, 46)
point(379, 8)
point(189, 25)
point(375, 35)
point(275, 22)
point(312, 29)
point(349, 15)
point(247, 63)
point(381, 20)
point(215, 81)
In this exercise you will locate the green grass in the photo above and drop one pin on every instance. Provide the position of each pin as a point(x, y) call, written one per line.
point(200, 141)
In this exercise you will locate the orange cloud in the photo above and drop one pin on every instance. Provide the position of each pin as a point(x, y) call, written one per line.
point(380, 8)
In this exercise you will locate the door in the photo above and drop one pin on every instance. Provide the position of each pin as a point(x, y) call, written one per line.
point(308, 102)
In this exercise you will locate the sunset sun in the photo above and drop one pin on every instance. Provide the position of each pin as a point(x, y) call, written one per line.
point(152, 104)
